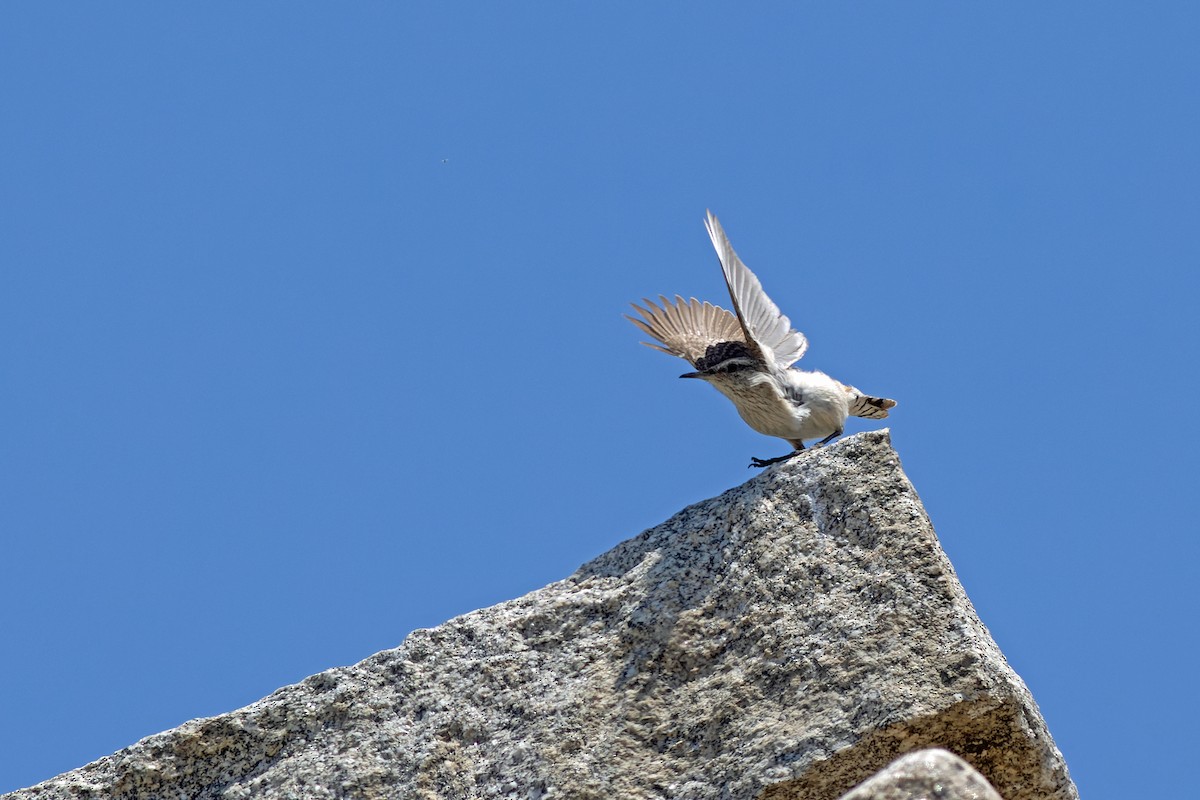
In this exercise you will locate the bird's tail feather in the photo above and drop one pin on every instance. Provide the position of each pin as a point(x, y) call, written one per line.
point(864, 405)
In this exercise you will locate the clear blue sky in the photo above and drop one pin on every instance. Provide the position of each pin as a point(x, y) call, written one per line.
point(311, 334)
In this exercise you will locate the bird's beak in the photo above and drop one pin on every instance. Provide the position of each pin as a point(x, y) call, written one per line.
point(692, 375)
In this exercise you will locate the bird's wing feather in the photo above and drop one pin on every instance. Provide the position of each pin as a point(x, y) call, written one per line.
point(685, 328)
point(761, 320)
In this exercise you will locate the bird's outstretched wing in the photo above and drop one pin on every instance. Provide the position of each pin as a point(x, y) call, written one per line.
point(763, 323)
point(686, 328)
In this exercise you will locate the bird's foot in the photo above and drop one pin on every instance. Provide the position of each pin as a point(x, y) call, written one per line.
point(766, 462)
point(829, 438)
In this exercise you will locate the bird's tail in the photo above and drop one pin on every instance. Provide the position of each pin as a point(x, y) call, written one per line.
point(864, 405)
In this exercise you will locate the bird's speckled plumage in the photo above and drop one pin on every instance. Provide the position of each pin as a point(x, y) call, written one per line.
point(748, 355)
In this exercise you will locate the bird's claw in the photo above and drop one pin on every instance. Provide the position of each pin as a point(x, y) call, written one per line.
point(766, 462)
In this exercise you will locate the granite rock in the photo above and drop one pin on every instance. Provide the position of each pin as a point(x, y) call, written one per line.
point(925, 774)
point(787, 639)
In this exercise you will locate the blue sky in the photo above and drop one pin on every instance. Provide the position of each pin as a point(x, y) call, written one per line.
point(311, 333)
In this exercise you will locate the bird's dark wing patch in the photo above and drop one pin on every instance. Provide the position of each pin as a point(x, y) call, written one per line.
point(792, 393)
point(717, 354)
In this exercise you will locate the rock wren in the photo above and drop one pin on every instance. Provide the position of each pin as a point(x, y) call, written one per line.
point(749, 357)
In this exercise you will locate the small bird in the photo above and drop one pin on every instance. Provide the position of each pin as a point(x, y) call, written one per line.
point(749, 357)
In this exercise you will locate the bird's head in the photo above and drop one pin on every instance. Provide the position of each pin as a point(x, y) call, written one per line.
point(726, 367)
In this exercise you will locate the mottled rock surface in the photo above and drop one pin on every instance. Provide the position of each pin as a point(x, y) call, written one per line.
point(787, 639)
point(923, 775)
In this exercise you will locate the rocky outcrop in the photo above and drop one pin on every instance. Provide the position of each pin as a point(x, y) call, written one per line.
point(925, 774)
point(788, 639)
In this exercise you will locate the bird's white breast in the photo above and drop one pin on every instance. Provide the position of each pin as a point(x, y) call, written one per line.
point(765, 402)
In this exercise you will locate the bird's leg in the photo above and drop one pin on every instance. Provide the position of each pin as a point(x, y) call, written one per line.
point(766, 462)
point(830, 437)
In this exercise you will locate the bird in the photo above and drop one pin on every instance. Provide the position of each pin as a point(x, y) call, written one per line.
point(748, 355)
